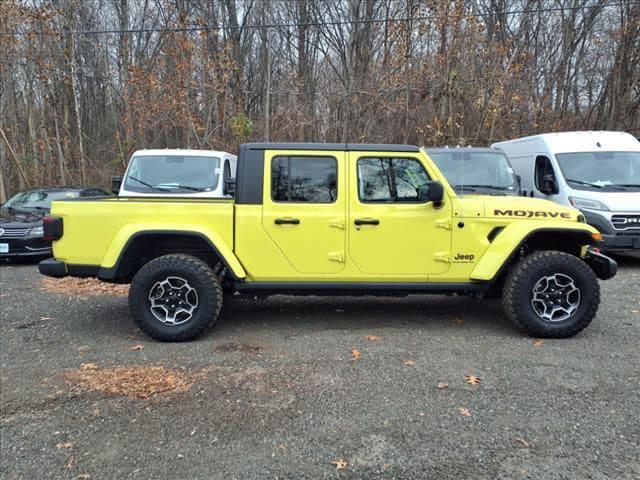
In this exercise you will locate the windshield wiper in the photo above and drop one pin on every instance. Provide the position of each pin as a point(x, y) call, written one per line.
point(153, 187)
point(595, 185)
point(464, 187)
point(184, 187)
point(474, 186)
point(633, 185)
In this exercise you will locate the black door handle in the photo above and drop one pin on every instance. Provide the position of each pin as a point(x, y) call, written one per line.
point(287, 221)
point(366, 221)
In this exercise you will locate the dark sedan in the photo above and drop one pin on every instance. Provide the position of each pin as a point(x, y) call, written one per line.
point(21, 232)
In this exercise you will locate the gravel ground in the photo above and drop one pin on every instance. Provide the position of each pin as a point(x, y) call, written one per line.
point(276, 393)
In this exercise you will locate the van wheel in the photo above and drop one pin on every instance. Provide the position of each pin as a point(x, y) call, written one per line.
point(551, 294)
point(175, 297)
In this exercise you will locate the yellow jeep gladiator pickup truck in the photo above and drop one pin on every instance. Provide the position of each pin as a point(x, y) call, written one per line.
point(354, 219)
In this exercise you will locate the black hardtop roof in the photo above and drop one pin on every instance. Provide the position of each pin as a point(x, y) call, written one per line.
point(358, 147)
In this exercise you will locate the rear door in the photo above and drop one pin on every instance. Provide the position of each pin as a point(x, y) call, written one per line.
point(304, 208)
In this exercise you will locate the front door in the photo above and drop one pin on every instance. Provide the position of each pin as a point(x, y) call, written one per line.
point(391, 232)
point(304, 208)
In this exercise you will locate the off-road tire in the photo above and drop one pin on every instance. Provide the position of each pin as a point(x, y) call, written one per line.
point(199, 276)
point(518, 288)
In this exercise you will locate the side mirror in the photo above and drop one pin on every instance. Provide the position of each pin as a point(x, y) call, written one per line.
point(549, 185)
point(115, 185)
point(229, 187)
point(432, 192)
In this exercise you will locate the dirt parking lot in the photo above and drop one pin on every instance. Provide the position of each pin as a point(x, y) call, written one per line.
point(316, 388)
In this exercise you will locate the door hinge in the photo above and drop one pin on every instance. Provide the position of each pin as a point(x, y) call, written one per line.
point(336, 257)
point(444, 223)
point(442, 257)
point(337, 224)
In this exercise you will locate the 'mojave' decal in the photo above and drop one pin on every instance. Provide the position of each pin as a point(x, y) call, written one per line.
point(530, 213)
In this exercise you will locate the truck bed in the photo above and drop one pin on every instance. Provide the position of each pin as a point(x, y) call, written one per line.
point(96, 230)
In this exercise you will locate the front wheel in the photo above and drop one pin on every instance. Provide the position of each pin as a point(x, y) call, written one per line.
point(551, 294)
point(175, 297)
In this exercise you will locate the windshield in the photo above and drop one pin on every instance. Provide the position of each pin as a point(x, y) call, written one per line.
point(33, 200)
point(172, 174)
point(475, 169)
point(601, 170)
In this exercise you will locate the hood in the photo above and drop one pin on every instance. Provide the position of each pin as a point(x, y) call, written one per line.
point(513, 208)
point(528, 208)
point(21, 218)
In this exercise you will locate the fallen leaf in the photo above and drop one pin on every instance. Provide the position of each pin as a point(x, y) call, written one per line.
point(442, 385)
point(140, 381)
point(88, 366)
point(45, 318)
point(523, 442)
point(81, 287)
point(355, 354)
point(537, 342)
point(71, 462)
point(340, 464)
point(464, 411)
point(137, 347)
point(472, 379)
point(459, 321)
point(65, 445)
point(410, 363)
point(635, 311)
point(282, 446)
point(83, 476)
point(372, 338)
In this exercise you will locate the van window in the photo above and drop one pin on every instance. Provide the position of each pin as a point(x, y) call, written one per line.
point(601, 170)
point(390, 179)
point(304, 179)
point(543, 167)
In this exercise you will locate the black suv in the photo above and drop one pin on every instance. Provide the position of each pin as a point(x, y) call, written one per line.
point(21, 232)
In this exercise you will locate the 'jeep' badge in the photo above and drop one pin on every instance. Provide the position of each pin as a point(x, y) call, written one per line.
point(464, 258)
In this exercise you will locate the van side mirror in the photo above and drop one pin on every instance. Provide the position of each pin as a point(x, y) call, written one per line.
point(229, 187)
point(432, 192)
point(549, 185)
point(115, 184)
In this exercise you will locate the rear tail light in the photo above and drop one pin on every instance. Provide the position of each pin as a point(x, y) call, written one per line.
point(52, 227)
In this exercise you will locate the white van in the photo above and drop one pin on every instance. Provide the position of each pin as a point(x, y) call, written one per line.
point(596, 172)
point(171, 172)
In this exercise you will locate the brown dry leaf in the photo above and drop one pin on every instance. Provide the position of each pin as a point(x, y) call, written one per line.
point(442, 385)
point(464, 411)
point(340, 464)
point(410, 363)
point(65, 445)
point(88, 366)
point(472, 379)
point(458, 321)
point(45, 318)
point(537, 342)
point(355, 354)
point(372, 338)
point(71, 463)
point(137, 346)
point(523, 442)
point(74, 286)
point(282, 446)
point(83, 476)
point(134, 381)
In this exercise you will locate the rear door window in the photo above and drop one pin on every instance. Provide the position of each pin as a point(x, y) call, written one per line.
point(304, 179)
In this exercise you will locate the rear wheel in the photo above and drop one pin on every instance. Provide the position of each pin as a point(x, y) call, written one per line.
point(175, 297)
point(551, 294)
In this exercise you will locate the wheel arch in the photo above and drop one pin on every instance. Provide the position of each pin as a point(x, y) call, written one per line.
point(504, 250)
point(143, 246)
